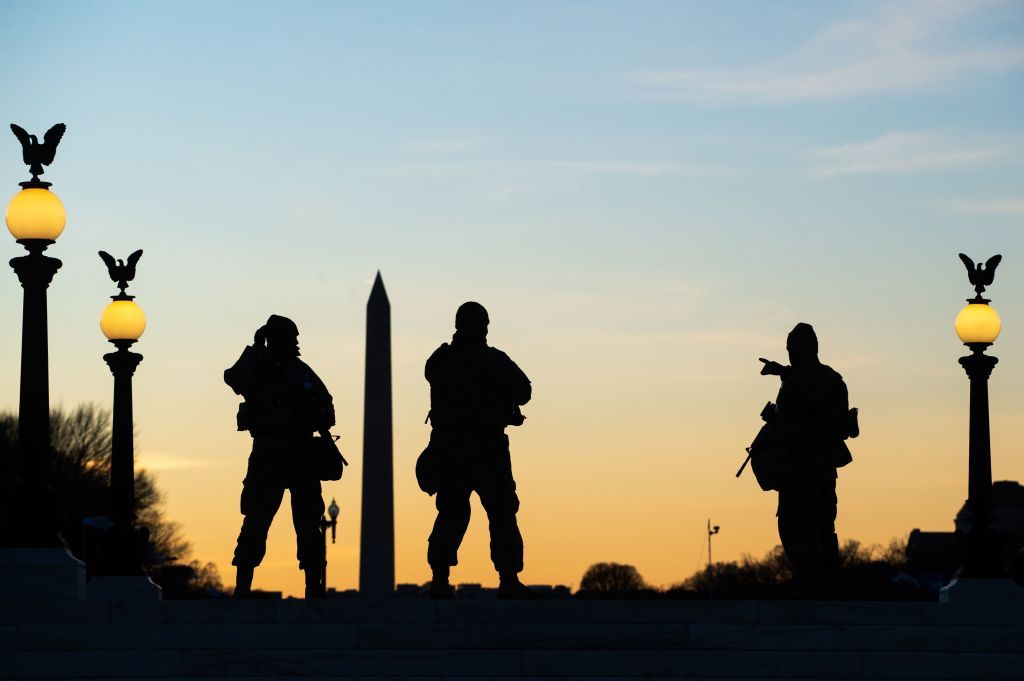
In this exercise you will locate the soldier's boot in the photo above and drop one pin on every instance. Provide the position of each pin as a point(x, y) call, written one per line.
point(440, 589)
point(511, 588)
point(314, 587)
point(243, 582)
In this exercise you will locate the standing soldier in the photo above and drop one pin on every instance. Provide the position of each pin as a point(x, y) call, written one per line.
point(811, 422)
point(475, 392)
point(285, 403)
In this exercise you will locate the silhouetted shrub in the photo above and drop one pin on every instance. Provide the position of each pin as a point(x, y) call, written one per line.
point(867, 573)
point(613, 579)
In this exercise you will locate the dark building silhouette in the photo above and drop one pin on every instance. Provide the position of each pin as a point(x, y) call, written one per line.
point(932, 556)
point(377, 531)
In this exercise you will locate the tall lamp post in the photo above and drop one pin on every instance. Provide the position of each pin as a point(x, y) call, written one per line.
point(332, 511)
point(34, 561)
point(35, 217)
point(123, 322)
point(978, 326)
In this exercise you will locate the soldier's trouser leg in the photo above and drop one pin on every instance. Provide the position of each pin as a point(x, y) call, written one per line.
point(828, 506)
point(800, 538)
point(497, 490)
point(307, 510)
point(807, 530)
point(262, 492)
point(449, 527)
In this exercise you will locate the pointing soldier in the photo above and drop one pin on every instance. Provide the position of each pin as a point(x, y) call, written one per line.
point(810, 421)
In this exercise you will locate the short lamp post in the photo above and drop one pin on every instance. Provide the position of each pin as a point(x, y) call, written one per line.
point(123, 322)
point(978, 326)
point(333, 512)
point(35, 217)
point(712, 531)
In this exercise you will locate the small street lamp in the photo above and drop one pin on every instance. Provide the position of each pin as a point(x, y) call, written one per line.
point(332, 511)
point(978, 326)
point(712, 531)
point(123, 323)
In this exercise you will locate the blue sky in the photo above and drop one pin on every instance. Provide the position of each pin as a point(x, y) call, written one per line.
point(646, 195)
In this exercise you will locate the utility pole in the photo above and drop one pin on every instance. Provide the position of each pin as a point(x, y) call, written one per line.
point(712, 531)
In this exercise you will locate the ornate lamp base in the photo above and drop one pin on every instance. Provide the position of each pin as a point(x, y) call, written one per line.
point(120, 588)
point(41, 574)
point(981, 590)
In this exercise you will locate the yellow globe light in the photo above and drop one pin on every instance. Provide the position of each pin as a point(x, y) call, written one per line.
point(978, 323)
point(123, 320)
point(35, 214)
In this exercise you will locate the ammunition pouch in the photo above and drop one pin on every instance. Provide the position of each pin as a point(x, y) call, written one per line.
point(244, 417)
point(428, 471)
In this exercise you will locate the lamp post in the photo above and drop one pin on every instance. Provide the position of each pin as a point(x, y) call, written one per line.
point(35, 564)
point(123, 322)
point(712, 531)
point(978, 326)
point(35, 217)
point(332, 511)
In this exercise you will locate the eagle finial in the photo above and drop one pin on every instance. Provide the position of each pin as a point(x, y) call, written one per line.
point(981, 275)
point(120, 273)
point(36, 155)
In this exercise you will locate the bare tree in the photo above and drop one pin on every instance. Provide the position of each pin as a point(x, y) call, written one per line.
point(77, 473)
point(612, 578)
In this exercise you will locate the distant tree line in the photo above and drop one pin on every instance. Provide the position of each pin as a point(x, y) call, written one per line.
point(77, 472)
point(868, 573)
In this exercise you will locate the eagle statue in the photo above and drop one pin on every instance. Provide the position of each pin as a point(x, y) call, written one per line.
point(981, 275)
point(37, 155)
point(121, 273)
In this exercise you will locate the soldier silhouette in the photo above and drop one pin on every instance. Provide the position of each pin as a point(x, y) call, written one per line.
point(811, 420)
point(475, 392)
point(285, 403)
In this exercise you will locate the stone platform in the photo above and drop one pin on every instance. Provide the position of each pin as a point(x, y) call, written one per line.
point(557, 639)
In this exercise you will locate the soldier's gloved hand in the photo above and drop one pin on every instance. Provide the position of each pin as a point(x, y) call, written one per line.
point(771, 368)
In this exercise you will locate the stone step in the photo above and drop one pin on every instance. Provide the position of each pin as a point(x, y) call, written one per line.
point(335, 664)
point(492, 639)
point(335, 677)
point(355, 611)
point(504, 636)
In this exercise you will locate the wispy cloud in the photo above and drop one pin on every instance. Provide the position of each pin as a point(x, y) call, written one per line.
point(905, 47)
point(164, 461)
point(991, 207)
point(647, 168)
point(903, 152)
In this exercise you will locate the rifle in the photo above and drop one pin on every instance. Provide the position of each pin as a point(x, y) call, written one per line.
point(766, 415)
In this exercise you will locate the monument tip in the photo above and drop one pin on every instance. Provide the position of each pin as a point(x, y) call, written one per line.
point(378, 290)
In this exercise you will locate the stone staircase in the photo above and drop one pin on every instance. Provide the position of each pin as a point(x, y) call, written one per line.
point(557, 639)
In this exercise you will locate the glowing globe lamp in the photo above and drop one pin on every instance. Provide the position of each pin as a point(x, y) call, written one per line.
point(978, 323)
point(35, 214)
point(123, 320)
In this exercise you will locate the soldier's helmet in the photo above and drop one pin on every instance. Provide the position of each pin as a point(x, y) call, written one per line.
point(278, 327)
point(279, 332)
point(471, 318)
point(802, 344)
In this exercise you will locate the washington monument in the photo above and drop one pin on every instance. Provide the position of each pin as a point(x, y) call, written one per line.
point(377, 535)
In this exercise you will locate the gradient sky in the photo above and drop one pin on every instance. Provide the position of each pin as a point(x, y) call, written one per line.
point(645, 195)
